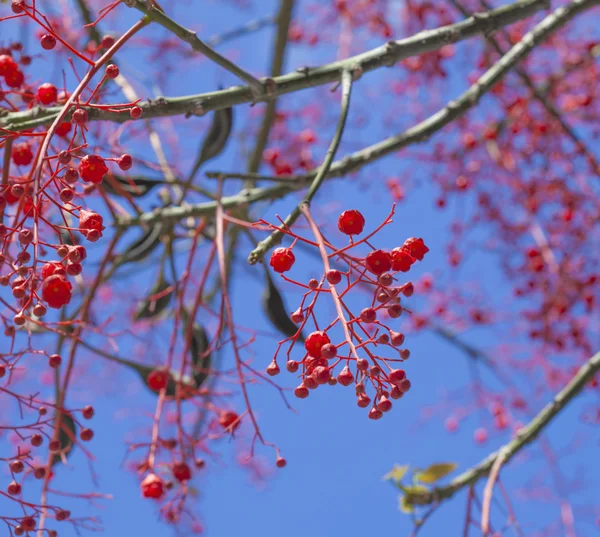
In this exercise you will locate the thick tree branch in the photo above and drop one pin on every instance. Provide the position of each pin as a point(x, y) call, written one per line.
point(525, 436)
point(418, 133)
point(386, 55)
point(190, 37)
point(275, 238)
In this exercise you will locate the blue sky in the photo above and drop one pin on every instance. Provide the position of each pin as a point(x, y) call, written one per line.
point(336, 456)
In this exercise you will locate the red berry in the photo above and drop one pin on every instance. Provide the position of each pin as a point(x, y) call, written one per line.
point(47, 93)
point(397, 375)
point(328, 351)
point(182, 472)
point(282, 259)
point(107, 41)
point(368, 315)
point(480, 435)
point(112, 71)
point(297, 317)
point(394, 311)
point(375, 414)
point(28, 523)
point(88, 412)
point(273, 369)
point(63, 128)
point(36, 440)
point(301, 391)
point(66, 195)
point(345, 377)
point(229, 420)
point(291, 366)
point(334, 277)
point(62, 514)
point(363, 401)
point(351, 222)
point(401, 260)
point(315, 342)
point(404, 385)
point(92, 169)
point(48, 42)
point(415, 247)
point(125, 162)
point(280, 462)
point(7, 65)
point(152, 487)
point(136, 112)
point(378, 262)
point(408, 289)
point(90, 221)
point(54, 360)
point(14, 78)
point(22, 154)
point(80, 116)
point(16, 467)
point(157, 379)
point(14, 488)
point(56, 291)
point(384, 404)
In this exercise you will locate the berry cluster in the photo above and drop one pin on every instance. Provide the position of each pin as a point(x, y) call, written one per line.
point(368, 332)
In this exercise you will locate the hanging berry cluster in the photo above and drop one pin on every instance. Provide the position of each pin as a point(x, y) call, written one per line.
point(371, 352)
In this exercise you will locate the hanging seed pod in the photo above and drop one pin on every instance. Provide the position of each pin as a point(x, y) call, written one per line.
point(141, 248)
point(216, 138)
point(156, 302)
point(199, 345)
point(276, 311)
point(68, 432)
point(136, 187)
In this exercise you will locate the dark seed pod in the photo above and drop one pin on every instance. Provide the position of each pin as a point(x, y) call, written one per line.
point(276, 311)
point(136, 187)
point(216, 138)
point(156, 302)
point(68, 432)
point(141, 248)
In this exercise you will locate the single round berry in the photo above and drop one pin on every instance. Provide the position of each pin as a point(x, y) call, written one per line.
point(56, 291)
point(384, 404)
point(280, 462)
point(47, 93)
point(16, 467)
point(64, 157)
point(22, 154)
point(107, 41)
point(378, 262)
point(481, 435)
point(394, 311)
point(63, 128)
point(14, 79)
point(404, 385)
point(125, 162)
point(291, 366)
point(86, 434)
point(157, 379)
point(39, 472)
point(182, 472)
point(334, 277)
point(62, 514)
point(90, 222)
point(282, 259)
point(384, 339)
point(405, 354)
point(112, 71)
point(315, 342)
point(351, 222)
point(48, 42)
point(368, 315)
point(36, 440)
point(17, 6)
point(328, 351)
point(297, 317)
point(136, 112)
point(28, 523)
point(313, 284)
point(375, 414)
point(92, 168)
point(14, 488)
point(66, 195)
point(362, 364)
point(397, 338)
point(88, 412)
point(345, 377)
point(363, 401)
point(229, 420)
point(80, 116)
point(301, 391)
point(408, 289)
point(401, 260)
point(415, 247)
point(273, 369)
point(54, 360)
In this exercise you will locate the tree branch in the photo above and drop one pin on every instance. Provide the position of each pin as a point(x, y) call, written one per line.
point(190, 37)
point(386, 55)
point(525, 436)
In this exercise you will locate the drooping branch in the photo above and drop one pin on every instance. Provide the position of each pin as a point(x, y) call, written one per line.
point(385, 55)
point(525, 436)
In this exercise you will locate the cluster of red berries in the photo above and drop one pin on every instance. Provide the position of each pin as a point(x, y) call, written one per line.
point(368, 330)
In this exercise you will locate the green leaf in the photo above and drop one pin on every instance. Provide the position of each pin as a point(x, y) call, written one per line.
point(199, 350)
point(405, 506)
point(66, 435)
point(396, 473)
point(135, 187)
point(435, 472)
point(142, 247)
